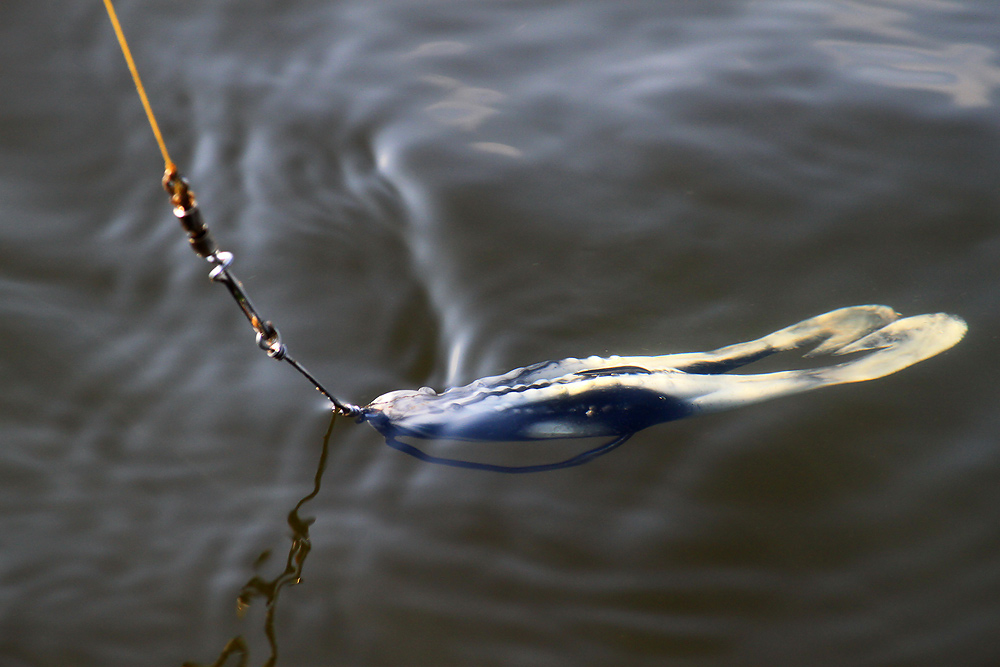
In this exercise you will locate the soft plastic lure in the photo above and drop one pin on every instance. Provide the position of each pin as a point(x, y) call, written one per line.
point(618, 396)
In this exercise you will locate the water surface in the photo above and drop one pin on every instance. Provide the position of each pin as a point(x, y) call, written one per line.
point(422, 193)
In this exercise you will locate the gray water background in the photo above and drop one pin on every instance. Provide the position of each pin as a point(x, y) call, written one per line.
point(422, 193)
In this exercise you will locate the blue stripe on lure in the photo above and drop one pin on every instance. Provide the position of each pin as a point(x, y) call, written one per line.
point(615, 397)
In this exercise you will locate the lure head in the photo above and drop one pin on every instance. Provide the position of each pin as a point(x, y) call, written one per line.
point(389, 412)
point(462, 413)
point(578, 405)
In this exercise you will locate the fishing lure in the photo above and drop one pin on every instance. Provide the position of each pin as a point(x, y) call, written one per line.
point(619, 396)
point(612, 397)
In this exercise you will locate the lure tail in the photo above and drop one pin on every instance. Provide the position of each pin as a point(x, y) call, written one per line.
point(828, 332)
point(890, 348)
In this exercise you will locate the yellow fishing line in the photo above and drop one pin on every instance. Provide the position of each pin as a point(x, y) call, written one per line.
point(169, 164)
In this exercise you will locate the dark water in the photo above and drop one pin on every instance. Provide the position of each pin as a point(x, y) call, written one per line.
point(421, 193)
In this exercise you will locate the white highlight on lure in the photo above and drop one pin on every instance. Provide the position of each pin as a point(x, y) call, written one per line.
point(619, 395)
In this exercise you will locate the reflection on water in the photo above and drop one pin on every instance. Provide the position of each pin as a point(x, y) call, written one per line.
point(964, 72)
point(907, 58)
point(464, 107)
point(269, 589)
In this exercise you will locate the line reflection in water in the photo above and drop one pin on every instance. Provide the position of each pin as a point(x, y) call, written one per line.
point(269, 589)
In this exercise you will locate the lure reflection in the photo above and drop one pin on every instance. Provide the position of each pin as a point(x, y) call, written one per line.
point(618, 396)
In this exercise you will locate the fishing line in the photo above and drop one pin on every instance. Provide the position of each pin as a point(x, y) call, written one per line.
point(127, 52)
point(187, 213)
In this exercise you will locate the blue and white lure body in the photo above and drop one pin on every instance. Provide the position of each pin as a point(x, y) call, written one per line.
point(618, 396)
